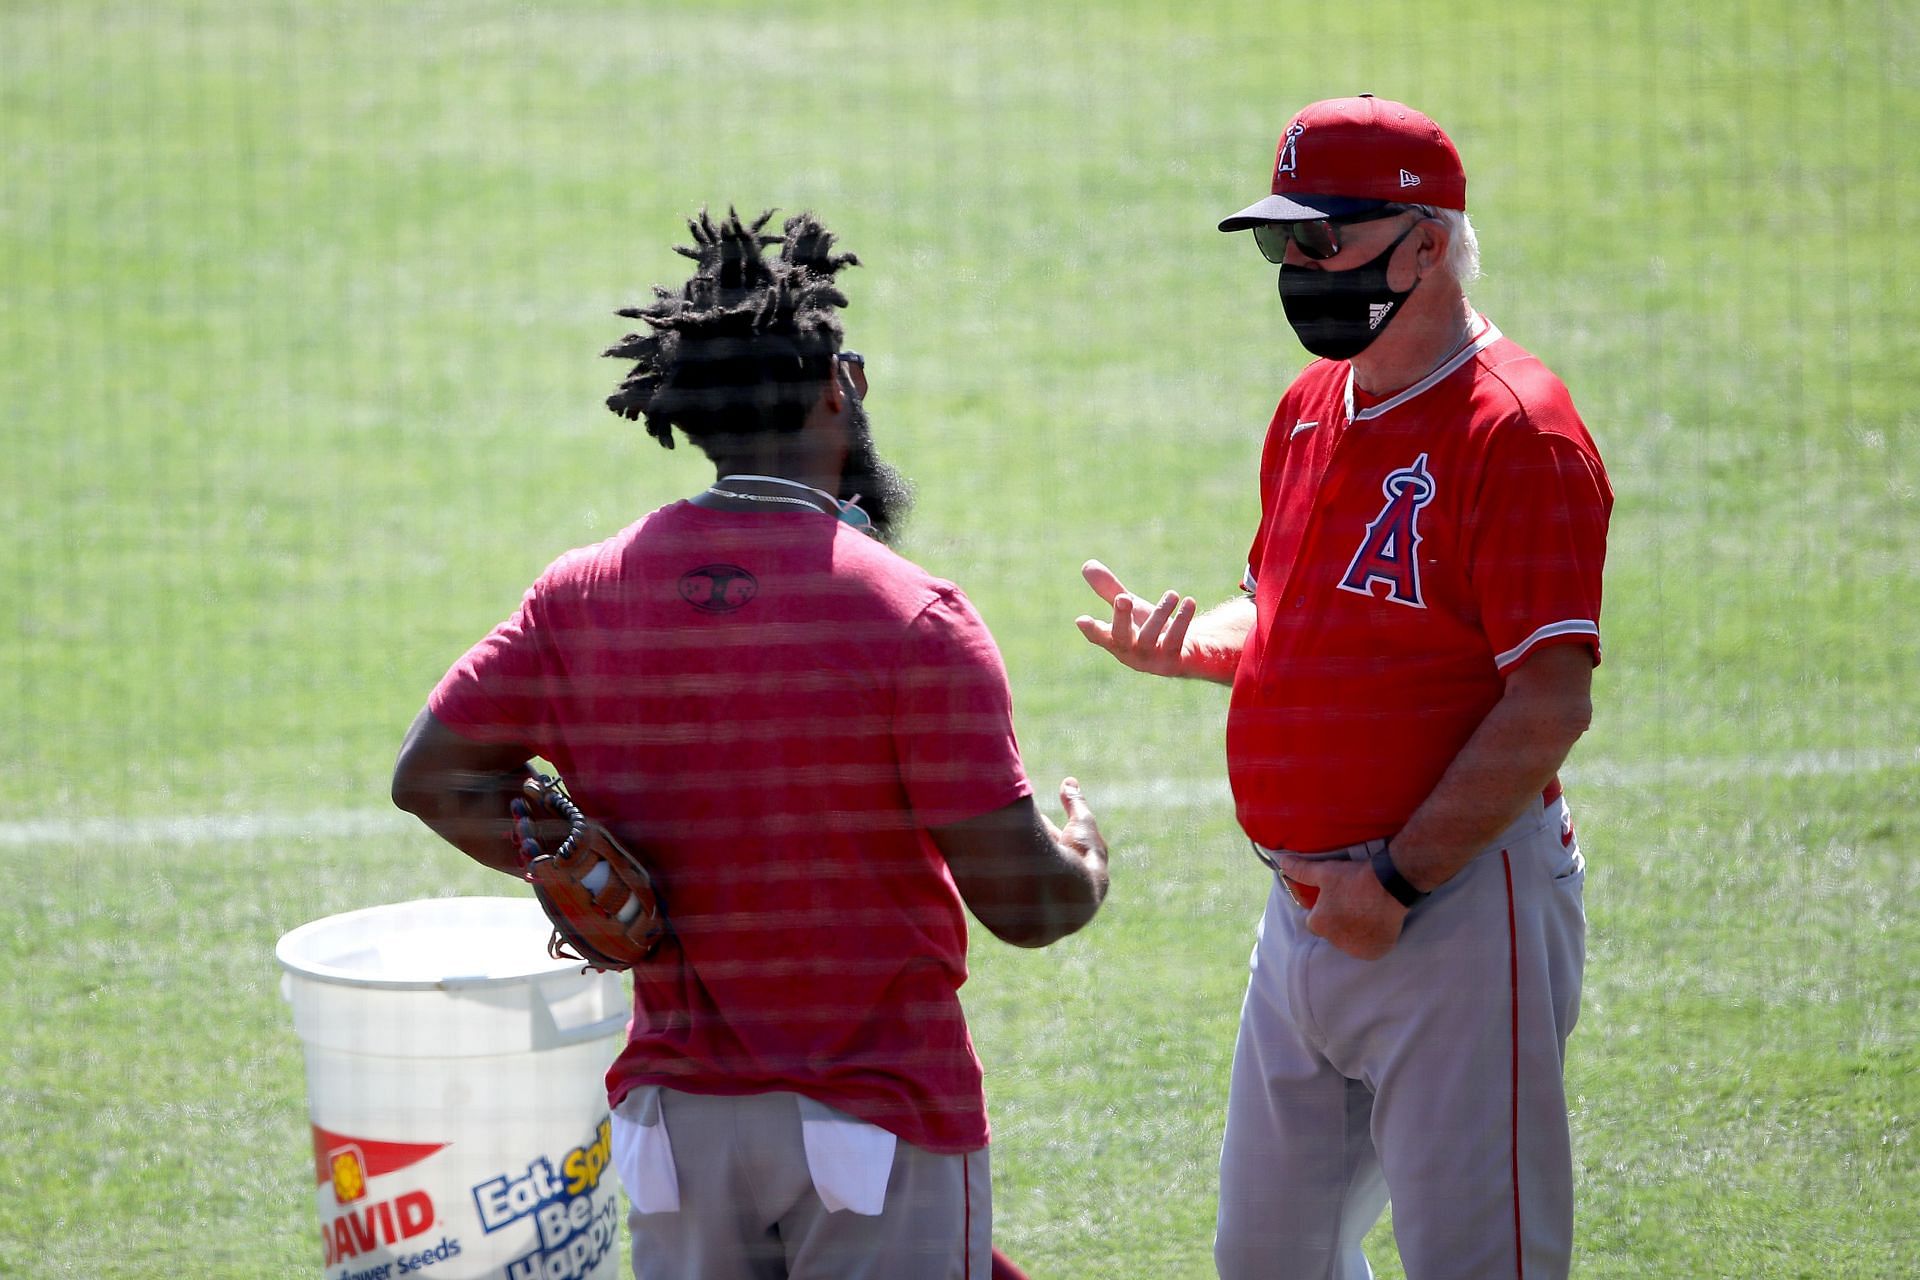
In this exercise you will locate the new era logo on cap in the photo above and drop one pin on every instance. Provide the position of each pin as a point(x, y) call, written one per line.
point(1409, 179)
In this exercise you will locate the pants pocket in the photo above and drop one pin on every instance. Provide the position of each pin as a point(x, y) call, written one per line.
point(1569, 865)
point(643, 1152)
point(849, 1160)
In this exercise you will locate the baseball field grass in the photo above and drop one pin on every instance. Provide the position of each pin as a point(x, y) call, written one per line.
point(299, 313)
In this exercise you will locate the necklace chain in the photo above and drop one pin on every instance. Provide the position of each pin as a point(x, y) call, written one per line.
point(808, 503)
point(767, 497)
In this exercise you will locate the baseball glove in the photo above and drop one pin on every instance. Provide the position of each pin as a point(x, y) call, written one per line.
point(599, 896)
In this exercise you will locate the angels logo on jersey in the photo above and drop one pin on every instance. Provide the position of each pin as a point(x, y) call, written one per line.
point(1389, 552)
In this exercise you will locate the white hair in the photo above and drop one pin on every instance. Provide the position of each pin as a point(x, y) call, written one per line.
point(1463, 247)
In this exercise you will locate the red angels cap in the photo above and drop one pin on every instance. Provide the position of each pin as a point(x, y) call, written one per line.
point(1344, 155)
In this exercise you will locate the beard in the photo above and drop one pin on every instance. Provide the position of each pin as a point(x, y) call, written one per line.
point(882, 492)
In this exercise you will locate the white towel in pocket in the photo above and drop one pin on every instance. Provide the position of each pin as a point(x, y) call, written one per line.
point(643, 1153)
point(850, 1160)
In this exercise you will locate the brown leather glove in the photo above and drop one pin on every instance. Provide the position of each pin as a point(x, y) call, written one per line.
point(599, 896)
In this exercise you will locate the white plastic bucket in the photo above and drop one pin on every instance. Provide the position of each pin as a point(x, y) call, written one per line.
point(455, 1080)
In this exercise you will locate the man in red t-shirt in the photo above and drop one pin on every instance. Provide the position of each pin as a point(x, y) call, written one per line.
point(809, 740)
point(1411, 663)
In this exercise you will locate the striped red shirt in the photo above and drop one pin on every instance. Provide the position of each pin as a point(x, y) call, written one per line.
point(773, 709)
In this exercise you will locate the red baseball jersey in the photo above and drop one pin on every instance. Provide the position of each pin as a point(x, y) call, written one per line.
point(1411, 552)
point(772, 708)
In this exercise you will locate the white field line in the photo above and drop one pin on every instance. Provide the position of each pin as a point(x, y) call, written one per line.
point(214, 828)
point(1142, 793)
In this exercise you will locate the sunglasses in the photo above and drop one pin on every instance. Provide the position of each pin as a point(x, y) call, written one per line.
point(1317, 238)
point(856, 370)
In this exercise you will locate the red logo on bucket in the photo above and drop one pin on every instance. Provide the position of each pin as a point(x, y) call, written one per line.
point(358, 1231)
point(349, 1164)
point(349, 1174)
point(337, 1157)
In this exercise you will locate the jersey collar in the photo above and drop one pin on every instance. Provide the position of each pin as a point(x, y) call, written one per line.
point(1482, 338)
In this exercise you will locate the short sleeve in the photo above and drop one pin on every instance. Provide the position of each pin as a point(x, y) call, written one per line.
point(953, 717)
point(1272, 449)
point(1540, 544)
point(1250, 579)
point(504, 688)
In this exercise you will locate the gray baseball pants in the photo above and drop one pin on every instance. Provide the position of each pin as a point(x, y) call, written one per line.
point(1433, 1077)
point(749, 1209)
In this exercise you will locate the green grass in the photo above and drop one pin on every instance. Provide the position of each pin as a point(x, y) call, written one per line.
point(299, 320)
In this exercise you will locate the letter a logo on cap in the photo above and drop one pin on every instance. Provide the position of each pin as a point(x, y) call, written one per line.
point(1289, 161)
point(1409, 179)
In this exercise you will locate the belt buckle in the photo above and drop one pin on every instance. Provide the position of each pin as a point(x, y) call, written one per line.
point(1303, 895)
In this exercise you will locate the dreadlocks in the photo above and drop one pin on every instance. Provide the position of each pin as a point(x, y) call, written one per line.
point(744, 345)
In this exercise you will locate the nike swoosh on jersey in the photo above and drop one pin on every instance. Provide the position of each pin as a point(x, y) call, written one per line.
point(1298, 427)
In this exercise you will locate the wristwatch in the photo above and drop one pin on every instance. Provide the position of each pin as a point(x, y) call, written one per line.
point(1390, 878)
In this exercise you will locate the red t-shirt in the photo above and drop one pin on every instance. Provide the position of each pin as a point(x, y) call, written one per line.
point(1411, 552)
point(773, 708)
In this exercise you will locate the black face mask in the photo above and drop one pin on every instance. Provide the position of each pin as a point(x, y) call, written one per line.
point(1338, 314)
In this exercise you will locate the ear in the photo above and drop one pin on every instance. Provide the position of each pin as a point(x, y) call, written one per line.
point(833, 393)
point(1434, 240)
point(830, 406)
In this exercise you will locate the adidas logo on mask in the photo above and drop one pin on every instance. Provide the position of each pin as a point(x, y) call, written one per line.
point(1377, 312)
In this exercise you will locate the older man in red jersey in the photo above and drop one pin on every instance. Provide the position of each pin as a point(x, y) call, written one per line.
point(1411, 663)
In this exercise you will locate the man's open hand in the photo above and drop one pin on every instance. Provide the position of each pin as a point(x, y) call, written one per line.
point(1143, 635)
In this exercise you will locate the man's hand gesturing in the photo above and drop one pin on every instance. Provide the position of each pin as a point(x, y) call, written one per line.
point(1143, 635)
